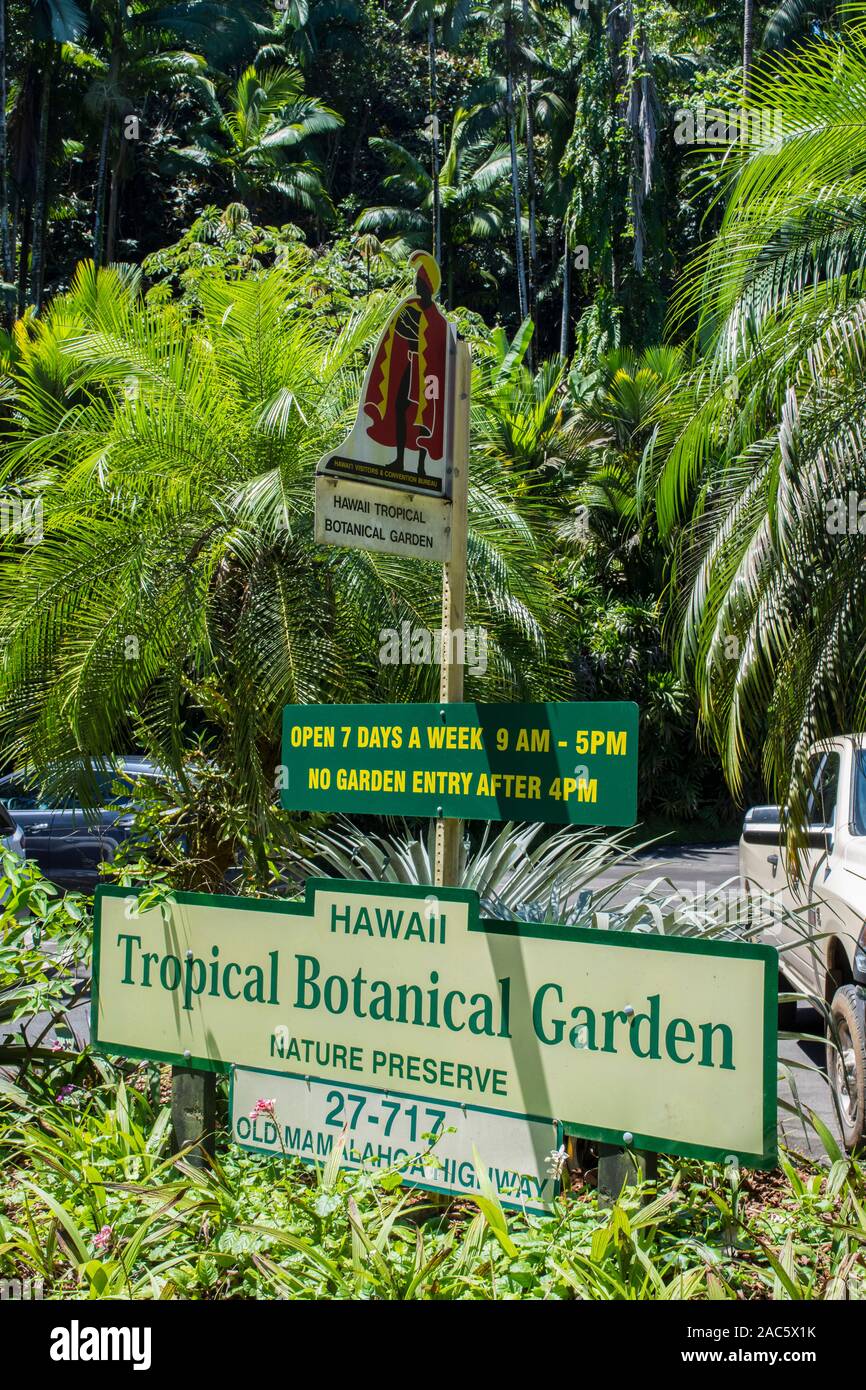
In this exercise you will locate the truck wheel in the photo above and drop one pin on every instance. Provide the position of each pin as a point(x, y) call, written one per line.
point(846, 1064)
point(788, 1010)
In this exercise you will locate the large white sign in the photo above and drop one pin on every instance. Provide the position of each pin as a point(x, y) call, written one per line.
point(431, 1141)
point(670, 1040)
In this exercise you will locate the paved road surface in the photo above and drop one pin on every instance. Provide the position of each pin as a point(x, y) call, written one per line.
point(688, 867)
point(803, 1064)
point(697, 868)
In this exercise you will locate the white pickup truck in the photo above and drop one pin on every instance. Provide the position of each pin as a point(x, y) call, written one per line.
point(822, 941)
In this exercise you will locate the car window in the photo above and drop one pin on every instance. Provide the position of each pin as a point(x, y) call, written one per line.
point(115, 788)
point(816, 763)
point(18, 798)
point(858, 813)
point(825, 790)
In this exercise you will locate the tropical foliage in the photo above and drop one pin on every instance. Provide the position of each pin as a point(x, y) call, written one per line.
point(177, 584)
point(650, 220)
point(671, 429)
point(251, 143)
point(96, 1206)
point(760, 452)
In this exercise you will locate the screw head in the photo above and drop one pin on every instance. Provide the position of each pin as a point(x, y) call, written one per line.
point(628, 1137)
point(628, 1010)
point(187, 1054)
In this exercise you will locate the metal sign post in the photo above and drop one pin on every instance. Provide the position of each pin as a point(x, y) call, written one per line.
point(193, 1114)
point(619, 1168)
point(449, 832)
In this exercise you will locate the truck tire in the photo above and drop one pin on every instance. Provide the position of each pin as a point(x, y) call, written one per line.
point(846, 1064)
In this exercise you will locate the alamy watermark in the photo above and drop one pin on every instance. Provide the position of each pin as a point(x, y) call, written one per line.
point(703, 125)
point(22, 516)
point(77, 1343)
point(422, 646)
point(846, 516)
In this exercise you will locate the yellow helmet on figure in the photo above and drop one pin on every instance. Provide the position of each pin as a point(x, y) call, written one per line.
point(426, 265)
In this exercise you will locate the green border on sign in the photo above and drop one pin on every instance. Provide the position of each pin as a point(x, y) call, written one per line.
point(546, 931)
point(403, 1095)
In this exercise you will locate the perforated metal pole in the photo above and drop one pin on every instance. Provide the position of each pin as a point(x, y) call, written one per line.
point(449, 832)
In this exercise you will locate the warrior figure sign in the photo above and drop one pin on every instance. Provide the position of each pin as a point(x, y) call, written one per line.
point(400, 437)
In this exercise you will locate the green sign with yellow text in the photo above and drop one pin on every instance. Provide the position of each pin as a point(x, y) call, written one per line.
point(570, 763)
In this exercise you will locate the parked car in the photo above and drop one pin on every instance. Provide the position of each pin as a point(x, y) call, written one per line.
point(11, 834)
point(824, 944)
point(67, 841)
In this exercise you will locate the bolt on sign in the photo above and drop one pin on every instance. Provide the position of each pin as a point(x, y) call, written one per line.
point(566, 763)
point(431, 1140)
point(670, 1040)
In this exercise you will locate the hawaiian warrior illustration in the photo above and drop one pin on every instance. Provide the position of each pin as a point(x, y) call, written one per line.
point(406, 388)
point(401, 423)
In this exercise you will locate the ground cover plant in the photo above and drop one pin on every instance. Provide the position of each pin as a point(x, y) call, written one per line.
point(96, 1205)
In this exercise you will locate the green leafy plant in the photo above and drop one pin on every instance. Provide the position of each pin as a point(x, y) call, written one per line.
point(44, 937)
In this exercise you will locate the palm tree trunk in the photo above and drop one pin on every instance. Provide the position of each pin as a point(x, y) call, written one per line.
point(14, 222)
point(114, 201)
point(531, 192)
point(99, 237)
point(356, 150)
point(748, 45)
point(434, 135)
point(112, 220)
point(102, 175)
point(7, 254)
point(522, 298)
point(40, 200)
point(101, 180)
point(24, 258)
point(619, 24)
point(566, 298)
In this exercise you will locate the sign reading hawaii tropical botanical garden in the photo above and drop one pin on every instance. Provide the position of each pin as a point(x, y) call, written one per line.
point(382, 519)
point(670, 1041)
point(567, 763)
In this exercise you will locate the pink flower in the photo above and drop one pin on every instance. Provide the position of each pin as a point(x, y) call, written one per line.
point(104, 1238)
point(263, 1107)
point(57, 1046)
point(64, 1093)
